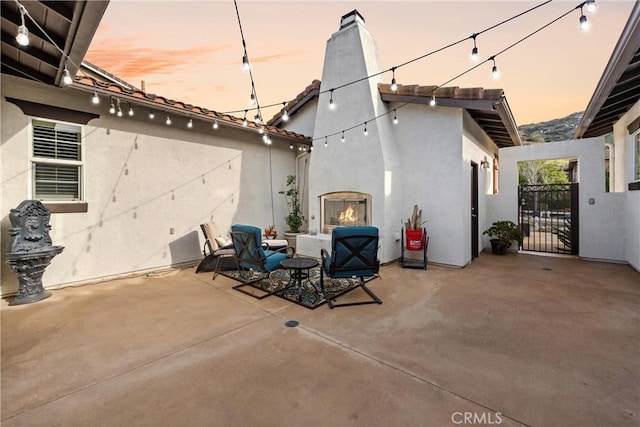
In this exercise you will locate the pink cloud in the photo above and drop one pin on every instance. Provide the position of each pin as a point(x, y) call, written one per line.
point(127, 59)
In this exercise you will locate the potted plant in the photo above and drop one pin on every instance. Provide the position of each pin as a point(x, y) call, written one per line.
point(502, 233)
point(270, 232)
point(294, 219)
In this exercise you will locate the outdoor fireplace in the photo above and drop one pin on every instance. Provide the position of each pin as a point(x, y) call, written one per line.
point(344, 208)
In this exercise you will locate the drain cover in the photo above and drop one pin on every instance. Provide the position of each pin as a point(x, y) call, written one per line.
point(291, 323)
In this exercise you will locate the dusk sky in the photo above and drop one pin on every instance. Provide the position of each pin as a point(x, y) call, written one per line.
point(192, 51)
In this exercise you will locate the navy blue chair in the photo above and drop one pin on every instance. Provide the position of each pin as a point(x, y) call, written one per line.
point(354, 255)
point(254, 260)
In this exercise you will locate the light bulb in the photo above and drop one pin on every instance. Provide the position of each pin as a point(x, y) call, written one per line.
point(95, 99)
point(190, 123)
point(474, 54)
point(23, 36)
point(215, 124)
point(433, 101)
point(245, 123)
point(261, 130)
point(342, 138)
point(168, 121)
point(394, 85)
point(332, 105)
point(252, 99)
point(365, 129)
point(291, 146)
point(245, 63)
point(285, 116)
point(495, 74)
point(119, 111)
point(152, 115)
point(591, 6)
point(112, 108)
point(395, 117)
point(130, 111)
point(66, 77)
point(584, 24)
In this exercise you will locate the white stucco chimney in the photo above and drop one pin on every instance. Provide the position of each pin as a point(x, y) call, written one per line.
point(367, 164)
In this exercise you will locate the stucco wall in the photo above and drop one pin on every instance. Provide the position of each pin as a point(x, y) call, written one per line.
point(602, 224)
point(142, 179)
point(624, 149)
point(303, 120)
point(625, 154)
point(429, 143)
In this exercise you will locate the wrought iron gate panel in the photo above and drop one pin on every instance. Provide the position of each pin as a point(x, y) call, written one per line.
point(548, 216)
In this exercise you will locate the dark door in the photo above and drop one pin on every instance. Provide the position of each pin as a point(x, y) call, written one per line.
point(474, 210)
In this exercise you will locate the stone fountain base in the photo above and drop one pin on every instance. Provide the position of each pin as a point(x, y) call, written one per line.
point(29, 267)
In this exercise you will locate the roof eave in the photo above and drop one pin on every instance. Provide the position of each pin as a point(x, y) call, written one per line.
point(623, 52)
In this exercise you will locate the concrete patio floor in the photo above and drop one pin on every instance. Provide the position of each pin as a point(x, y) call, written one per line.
point(513, 340)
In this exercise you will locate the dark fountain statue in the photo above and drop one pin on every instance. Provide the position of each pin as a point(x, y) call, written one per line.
point(30, 251)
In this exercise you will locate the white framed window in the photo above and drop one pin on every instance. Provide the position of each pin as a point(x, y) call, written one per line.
point(57, 161)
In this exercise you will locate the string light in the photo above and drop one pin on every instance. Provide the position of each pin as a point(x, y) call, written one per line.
point(23, 33)
point(584, 23)
point(332, 105)
point(450, 45)
point(215, 124)
point(168, 121)
point(394, 85)
point(395, 117)
point(495, 74)
point(474, 51)
point(285, 115)
point(254, 95)
point(190, 123)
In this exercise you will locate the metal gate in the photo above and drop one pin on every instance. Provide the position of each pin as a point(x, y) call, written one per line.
point(549, 218)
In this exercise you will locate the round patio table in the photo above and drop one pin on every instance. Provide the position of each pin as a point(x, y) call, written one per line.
point(298, 271)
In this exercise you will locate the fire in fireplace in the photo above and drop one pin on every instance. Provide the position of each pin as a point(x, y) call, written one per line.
point(344, 208)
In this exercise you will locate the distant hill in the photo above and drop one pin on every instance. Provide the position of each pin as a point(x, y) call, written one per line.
point(552, 130)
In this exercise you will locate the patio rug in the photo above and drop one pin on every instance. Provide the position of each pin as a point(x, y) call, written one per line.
point(310, 298)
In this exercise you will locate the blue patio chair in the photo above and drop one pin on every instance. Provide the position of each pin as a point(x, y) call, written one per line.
point(255, 261)
point(354, 254)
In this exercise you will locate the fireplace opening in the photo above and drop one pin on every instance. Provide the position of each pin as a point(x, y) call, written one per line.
point(344, 208)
